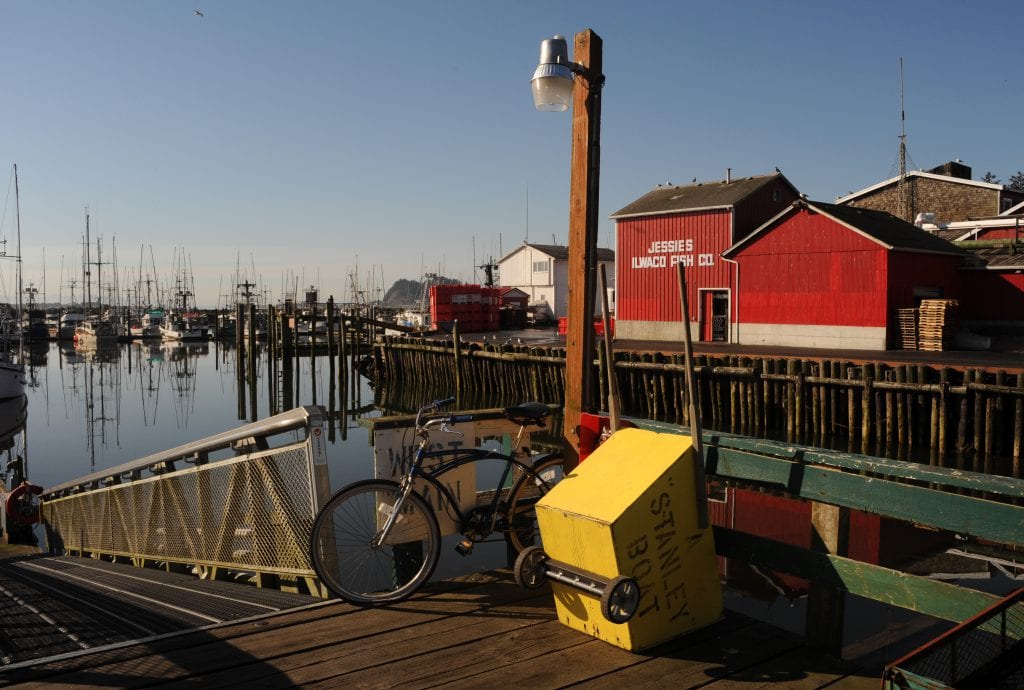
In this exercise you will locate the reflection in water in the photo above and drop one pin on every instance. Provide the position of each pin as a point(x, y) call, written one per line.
point(99, 406)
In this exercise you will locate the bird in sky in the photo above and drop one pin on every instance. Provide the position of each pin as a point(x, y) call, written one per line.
point(198, 13)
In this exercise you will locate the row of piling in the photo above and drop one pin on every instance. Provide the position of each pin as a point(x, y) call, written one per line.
point(947, 416)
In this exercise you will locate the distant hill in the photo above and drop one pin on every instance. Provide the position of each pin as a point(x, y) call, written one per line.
point(406, 293)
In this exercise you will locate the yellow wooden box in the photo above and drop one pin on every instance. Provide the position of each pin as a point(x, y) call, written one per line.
point(630, 509)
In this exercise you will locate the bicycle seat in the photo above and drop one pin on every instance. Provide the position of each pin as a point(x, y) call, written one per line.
point(528, 414)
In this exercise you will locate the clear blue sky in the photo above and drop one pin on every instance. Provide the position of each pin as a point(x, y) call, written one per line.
point(299, 138)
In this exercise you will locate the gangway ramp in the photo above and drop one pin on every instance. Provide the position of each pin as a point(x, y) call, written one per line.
point(54, 605)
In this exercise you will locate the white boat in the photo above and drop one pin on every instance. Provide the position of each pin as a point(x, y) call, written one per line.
point(12, 377)
point(147, 325)
point(68, 324)
point(95, 331)
point(190, 326)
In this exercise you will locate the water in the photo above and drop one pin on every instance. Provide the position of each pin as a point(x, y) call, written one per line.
point(92, 409)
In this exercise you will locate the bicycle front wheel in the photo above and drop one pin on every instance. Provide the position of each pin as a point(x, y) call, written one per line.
point(347, 558)
point(521, 508)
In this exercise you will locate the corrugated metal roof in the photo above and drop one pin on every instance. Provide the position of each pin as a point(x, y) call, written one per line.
point(882, 227)
point(996, 258)
point(696, 196)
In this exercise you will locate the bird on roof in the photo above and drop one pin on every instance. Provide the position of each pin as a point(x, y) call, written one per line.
point(777, 169)
point(694, 179)
point(198, 13)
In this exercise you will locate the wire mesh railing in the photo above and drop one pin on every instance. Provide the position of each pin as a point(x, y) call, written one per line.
point(986, 651)
point(246, 514)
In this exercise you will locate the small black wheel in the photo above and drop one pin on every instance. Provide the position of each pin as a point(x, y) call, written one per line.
point(620, 599)
point(529, 568)
point(346, 557)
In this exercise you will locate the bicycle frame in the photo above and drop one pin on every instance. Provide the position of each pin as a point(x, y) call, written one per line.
point(459, 457)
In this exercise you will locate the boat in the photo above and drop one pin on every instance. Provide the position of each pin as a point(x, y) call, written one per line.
point(184, 322)
point(12, 376)
point(68, 324)
point(147, 325)
point(187, 326)
point(95, 331)
point(12, 342)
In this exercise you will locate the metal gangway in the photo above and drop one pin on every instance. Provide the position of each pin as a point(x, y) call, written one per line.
point(236, 505)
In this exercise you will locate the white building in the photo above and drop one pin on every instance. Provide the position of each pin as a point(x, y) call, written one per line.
point(542, 272)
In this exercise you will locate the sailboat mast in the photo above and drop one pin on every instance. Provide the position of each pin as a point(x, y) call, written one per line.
point(86, 271)
point(17, 225)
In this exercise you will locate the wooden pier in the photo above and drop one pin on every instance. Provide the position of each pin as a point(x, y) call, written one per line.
point(939, 414)
point(481, 630)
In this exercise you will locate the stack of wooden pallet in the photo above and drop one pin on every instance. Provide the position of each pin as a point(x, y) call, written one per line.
point(907, 325)
point(936, 323)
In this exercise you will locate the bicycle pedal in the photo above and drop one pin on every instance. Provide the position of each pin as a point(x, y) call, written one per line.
point(464, 547)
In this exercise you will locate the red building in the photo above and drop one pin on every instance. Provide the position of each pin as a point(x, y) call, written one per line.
point(992, 285)
point(828, 276)
point(690, 224)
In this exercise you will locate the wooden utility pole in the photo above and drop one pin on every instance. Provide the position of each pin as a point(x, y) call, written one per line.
point(583, 202)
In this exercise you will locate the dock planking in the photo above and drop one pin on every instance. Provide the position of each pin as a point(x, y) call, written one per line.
point(475, 631)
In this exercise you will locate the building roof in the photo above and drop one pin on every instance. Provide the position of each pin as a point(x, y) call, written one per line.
point(1014, 210)
point(918, 173)
point(697, 196)
point(995, 258)
point(881, 227)
point(560, 252)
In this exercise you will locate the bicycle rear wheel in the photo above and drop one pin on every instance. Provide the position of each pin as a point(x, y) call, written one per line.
point(522, 500)
point(348, 562)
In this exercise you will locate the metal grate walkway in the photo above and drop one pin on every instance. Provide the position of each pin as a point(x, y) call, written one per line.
point(55, 605)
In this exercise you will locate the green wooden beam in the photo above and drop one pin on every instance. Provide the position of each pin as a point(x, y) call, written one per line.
point(962, 514)
point(930, 597)
point(791, 469)
point(915, 471)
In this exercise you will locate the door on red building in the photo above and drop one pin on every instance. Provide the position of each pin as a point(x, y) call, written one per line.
point(714, 316)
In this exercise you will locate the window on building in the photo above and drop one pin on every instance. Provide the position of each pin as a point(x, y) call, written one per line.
point(541, 266)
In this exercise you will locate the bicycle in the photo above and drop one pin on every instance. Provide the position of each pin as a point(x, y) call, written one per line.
point(377, 541)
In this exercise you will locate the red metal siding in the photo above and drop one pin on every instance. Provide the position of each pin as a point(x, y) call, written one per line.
point(1011, 233)
point(992, 296)
point(908, 270)
point(809, 269)
point(647, 284)
point(789, 520)
point(760, 207)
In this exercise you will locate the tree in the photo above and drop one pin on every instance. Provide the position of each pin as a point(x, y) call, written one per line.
point(1017, 181)
point(989, 177)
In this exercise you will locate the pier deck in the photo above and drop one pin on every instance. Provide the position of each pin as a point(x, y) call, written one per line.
point(481, 630)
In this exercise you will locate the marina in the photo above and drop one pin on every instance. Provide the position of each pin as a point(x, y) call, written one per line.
point(133, 400)
point(714, 434)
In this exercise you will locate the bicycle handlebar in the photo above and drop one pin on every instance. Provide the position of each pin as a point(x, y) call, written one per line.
point(437, 405)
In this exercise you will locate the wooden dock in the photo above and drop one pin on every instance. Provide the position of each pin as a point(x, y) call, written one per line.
point(477, 631)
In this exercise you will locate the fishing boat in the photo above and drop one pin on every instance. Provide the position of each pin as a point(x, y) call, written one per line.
point(184, 321)
point(187, 326)
point(95, 331)
point(147, 325)
point(12, 376)
point(68, 324)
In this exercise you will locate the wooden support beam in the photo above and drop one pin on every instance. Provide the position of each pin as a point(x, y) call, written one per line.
point(583, 208)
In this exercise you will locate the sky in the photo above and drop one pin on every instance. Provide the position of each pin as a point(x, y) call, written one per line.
point(339, 143)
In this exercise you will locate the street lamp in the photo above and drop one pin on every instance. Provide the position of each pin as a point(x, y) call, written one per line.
point(553, 83)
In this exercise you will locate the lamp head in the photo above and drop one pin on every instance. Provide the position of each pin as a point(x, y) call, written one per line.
point(552, 80)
